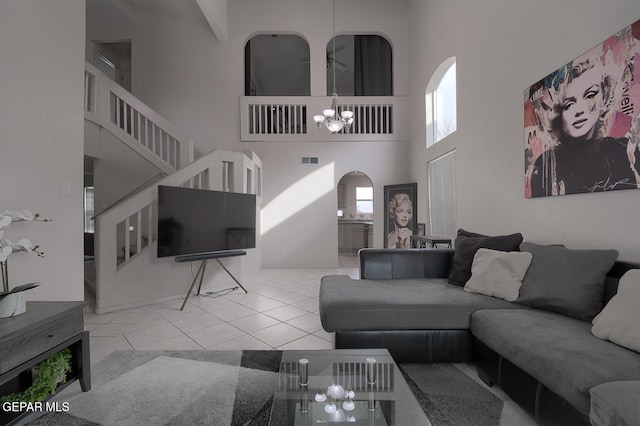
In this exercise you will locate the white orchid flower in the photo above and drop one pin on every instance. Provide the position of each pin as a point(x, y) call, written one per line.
point(25, 244)
point(4, 253)
point(27, 215)
point(5, 220)
point(18, 215)
point(14, 246)
point(7, 247)
point(13, 214)
point(22, 245)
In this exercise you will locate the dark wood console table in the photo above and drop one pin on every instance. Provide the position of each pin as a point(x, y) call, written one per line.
point(419, 241)
point(43, 330)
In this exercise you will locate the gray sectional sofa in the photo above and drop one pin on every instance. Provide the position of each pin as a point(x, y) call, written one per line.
point(547, 361)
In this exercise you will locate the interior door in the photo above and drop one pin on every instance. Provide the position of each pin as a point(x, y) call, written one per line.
point(114, 59)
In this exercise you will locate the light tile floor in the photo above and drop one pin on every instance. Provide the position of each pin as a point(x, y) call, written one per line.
point(279, 312)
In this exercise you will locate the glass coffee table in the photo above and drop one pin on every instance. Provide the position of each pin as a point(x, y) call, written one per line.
point(361, 386)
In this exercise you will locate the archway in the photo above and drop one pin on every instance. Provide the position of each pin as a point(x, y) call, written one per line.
point(355, 216)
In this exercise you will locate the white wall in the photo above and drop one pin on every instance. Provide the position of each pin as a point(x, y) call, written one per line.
point(41, 139)
point(502, 47)
point(181, 71)
point(299, 221)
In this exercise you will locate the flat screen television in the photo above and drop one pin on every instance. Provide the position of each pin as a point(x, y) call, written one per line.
point(194, 221)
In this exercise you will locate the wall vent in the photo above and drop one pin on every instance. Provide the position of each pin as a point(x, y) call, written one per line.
point(309, 161)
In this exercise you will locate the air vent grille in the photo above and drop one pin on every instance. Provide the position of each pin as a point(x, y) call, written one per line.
point(309, 161)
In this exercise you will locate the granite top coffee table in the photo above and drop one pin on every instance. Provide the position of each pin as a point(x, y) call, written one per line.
point(361, 386)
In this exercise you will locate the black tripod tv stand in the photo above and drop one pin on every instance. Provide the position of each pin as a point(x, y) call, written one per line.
point(204, 258)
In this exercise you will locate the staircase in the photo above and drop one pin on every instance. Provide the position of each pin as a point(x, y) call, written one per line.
point(127, 271)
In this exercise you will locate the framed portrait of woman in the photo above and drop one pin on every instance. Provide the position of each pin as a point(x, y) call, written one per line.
point(582, 122)
point(400, 212)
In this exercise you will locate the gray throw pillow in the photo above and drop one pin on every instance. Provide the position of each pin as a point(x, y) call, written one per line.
point(467, 244)
point(570, 282)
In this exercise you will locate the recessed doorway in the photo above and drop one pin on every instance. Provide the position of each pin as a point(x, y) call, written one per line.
point(355, 216)
point(114, 59)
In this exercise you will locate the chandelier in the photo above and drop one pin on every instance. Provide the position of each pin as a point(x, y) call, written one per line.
point(331, 118)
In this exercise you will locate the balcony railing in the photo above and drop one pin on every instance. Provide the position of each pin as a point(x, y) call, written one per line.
point(281, 118)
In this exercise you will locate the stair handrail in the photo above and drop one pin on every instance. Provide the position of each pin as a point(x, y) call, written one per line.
point(144, 130)
point(139, 212)
point(140, 187)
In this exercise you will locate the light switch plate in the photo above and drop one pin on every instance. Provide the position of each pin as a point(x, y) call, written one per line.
point(65, 188)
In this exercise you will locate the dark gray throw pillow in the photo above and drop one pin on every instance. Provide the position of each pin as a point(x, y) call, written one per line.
point(570, 282)
point(467, 244)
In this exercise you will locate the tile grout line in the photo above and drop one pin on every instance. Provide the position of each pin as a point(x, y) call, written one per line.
point(288, 281)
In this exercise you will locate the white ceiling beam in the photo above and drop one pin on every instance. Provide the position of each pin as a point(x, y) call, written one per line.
point(215, 11)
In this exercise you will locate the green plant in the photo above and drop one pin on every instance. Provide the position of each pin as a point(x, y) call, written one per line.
point(46, 376)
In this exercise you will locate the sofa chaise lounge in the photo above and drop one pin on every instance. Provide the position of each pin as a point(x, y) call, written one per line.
point(548, 362)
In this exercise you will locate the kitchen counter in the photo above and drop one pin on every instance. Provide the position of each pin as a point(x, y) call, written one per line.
point(354, 234)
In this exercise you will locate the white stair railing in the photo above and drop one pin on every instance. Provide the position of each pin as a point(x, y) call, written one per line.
point(110, 106)
point(128, 272)
point(127, 233)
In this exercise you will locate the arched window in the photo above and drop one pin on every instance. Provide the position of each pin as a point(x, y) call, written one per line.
point(363, 66)
point(440, 102)
point(277, 65)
